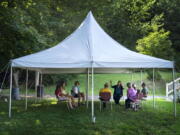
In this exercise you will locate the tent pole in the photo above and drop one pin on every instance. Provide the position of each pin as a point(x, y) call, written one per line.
point(132, 76)
point(36, 83)
point(141, 76)
point(87, 89)
point(174, 91)
point(26, 88)
point(10, 91)
point(41, 86)
point(93, 117)
point(153, 90)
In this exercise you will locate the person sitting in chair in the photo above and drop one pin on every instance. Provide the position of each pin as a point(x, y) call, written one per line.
point(139, 95)
point(105, 90)
point(144, 90)
point(131, 96)
point(134, 86)
point(62, 95)
point(75, 92)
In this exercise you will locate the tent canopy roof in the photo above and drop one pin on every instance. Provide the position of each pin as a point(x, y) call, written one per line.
point(88, 46)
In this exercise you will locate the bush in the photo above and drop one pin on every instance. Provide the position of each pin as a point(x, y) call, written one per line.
point(53, 79)
point(157, 75)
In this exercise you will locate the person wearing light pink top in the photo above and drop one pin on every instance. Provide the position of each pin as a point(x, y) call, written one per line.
point(131, 95)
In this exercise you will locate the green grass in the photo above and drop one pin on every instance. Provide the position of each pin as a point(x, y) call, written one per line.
point(48, 118)
point(100, 79)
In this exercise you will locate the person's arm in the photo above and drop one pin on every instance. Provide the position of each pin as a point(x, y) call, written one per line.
point(112, 86)
point(110, 92)
point(110, 83)
point(122, 89)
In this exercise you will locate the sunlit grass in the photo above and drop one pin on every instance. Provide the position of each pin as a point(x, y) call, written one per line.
point(47, 117)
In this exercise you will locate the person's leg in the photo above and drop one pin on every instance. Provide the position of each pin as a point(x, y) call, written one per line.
point(69, 102)
point(117, 99)
point(120, 99)
point(72, 101)
point(126, 103)
point(79, 98)
point(83, 97)
point(104, 104)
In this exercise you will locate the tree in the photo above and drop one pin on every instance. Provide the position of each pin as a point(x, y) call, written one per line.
point(156, 43)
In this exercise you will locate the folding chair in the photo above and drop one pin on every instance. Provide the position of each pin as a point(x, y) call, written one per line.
point(61, 100)
point(105, 97)
point(136, 105)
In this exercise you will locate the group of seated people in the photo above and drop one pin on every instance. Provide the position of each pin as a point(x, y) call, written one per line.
point(61, 94)
point(133, 94)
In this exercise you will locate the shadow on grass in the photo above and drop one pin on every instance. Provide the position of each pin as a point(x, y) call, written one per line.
point(46, 117)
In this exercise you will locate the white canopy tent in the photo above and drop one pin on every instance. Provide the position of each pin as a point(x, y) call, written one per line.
point(88, 47)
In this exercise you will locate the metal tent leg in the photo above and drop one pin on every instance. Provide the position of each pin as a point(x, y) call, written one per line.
point(153, 90)
point(141, 76)
point(10, 91)
point(132, 79)
point(87, 89)
point(93, 117)
point(26, 89)
point(174, 92)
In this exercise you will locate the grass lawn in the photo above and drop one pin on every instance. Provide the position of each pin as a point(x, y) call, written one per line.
point(48, 118)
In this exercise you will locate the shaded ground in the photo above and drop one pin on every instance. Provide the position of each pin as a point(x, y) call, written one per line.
point(47, 118)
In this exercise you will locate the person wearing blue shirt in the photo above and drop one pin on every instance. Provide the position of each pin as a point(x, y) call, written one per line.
point(75, 92)
point(118, 91)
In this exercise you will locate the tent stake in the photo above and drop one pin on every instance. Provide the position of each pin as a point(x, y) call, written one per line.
point(10, 91)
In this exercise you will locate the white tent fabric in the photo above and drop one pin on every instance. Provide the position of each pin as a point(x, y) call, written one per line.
point(88, 46)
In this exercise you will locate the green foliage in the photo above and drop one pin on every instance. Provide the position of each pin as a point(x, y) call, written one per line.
point(53, 79)
point(156, 43)
point(171, 11)
point(33, 25)
point(157, 75)
point(129, 20)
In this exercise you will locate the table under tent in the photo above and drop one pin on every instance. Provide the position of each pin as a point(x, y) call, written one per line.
point(89, 49)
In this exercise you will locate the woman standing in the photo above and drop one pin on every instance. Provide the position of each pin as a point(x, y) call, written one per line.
point(118, 91)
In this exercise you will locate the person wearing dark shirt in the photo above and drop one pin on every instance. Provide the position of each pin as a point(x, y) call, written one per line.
point(118, 91)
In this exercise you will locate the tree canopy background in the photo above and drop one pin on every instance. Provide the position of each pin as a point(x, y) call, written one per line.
point(149, 26)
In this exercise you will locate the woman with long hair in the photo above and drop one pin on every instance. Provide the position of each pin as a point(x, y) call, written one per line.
point(62, 95)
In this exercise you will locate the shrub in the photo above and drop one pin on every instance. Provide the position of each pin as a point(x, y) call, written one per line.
point(157, 75)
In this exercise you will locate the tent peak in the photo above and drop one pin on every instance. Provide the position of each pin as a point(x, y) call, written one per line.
point(90, 13)
point(90, 16)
